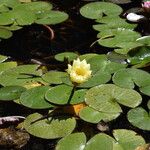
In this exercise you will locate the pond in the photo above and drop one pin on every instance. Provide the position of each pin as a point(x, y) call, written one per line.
point(74, 75)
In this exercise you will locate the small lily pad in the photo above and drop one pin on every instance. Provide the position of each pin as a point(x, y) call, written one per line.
point(106, 97)
point(50, 128)
point(145, 90)
point(128, 77)
point(5, 34)
point(51, 17)
point(93, 116)
point(35, 98)
point(7, 65)
point(96, 10)
point(54, 77)
point(138, 117)
point(59, 94)
point(70, 56)
point(11, 92)
point(75, 141)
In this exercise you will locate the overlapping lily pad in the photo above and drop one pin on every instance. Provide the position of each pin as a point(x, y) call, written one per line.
point(11, 92)
point(93, 116)
point(128, 77)
point(35, 98)
point(20, 75)
point(54, 77)
point(75, 141)
point(105, 98)
point(50, 128)
point(96, 10)
point(140, 118)
point(70, 56)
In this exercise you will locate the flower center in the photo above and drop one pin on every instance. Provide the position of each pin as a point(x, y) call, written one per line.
point(80, 71)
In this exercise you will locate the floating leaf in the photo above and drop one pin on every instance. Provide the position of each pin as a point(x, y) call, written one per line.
point(3, 58)
point(5, 34)
point(11, 92)
point(106, 97)
point(10, 3)
point(139, 55)
point(93, 116)
point(119, 36)
point(50, 128)
point(59, 94)
point(75, 141)
point(140, 118)
point(144, 40)
point(145, 90)
point(20, 75)
point(7, 65)
point(127, 77)
point(87, 56)
point(51, 17)
point(100, 141)
point(54, 77)
point(128, 139)
point(96, 10)
point(70, 56)
point(35, 98)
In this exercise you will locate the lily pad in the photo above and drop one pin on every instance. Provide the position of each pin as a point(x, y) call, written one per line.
point(75, 141)
point(138, 117)
point(100, 141)
point(3, 58)
point(20, 75)
point(10, 3)
point(145, 90)
point(5, 34)
point(106, 97)
point(128, 139)
point(51, 128)
point(70, 56)
point(119, 36)
point(128, 77)
point(93, 116)
point(59, 94)
point(7, 65)
point(35, 98)
point(96, 10)
point(51, 17)
point(11, 92)
point(54, 77)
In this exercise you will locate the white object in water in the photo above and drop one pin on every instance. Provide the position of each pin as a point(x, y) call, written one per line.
point(134, 17)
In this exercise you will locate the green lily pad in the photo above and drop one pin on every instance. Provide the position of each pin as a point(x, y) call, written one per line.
point(59, 94)
point(128, 77)
point(35, 98)
point(51, 128)
point(118, 36)
point(10, 3)
point(100, 141)
point(20, 75)
point(139, 55)
point(112, 22)
point(144, 40)
point(11, 27)
point(145, 90)
point(11, 92)
point(7, 65)
point(128, 139)
point(75, 141)
point(54, 77)
point(138, 117)
point(106, 97)
point(51, 17)
point(5, 34)
point(87, 56)
point(3, 58)
point(93, 116)
point(96, 10)
point(70, 56)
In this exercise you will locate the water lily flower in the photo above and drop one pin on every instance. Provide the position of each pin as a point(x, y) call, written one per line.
point(146, 6)
point(79, 71)
point(134, 17)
